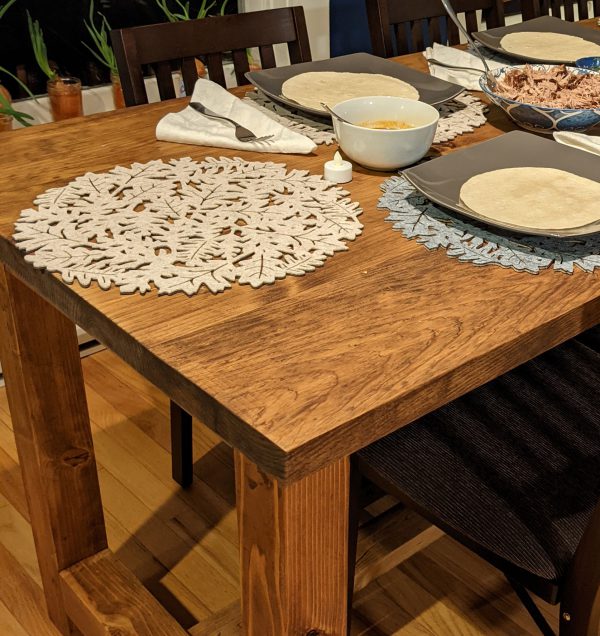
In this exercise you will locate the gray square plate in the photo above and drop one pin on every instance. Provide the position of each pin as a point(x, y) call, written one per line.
point(431, 89)
point(440, 180)
point(546, 24)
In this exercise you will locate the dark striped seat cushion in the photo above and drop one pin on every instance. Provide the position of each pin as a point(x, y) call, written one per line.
point(511, 469)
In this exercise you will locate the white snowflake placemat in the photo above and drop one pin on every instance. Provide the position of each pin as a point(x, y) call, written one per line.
point(461, 115)
point(418, 218)
point(181, 225)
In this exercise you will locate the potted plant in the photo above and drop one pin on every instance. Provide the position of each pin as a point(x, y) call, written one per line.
point(64, 92)
point(104, 53)
point(7, 112)
point(185, 10)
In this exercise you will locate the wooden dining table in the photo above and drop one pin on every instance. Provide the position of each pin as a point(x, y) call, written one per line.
point(295, 376)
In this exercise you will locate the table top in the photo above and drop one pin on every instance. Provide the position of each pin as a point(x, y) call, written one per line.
point(310, 369)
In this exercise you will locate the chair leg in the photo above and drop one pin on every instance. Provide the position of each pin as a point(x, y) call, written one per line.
point(182, 460)
point(354, 513)
point(580, 597)
point(532, 608)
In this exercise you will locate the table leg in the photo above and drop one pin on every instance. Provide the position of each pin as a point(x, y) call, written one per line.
point(294, 551)
point(42, 368)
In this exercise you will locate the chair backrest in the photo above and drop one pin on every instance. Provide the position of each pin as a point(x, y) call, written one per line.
point(160, 45)
point(417, 23)
point(535, 8)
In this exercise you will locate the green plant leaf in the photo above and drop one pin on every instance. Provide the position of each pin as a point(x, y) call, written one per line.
point(6, 108)
point(19, 82)
point(39, 47)
point(5, 7)
point(99, 35)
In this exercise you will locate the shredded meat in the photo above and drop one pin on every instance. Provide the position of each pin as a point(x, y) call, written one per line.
point(556, 88)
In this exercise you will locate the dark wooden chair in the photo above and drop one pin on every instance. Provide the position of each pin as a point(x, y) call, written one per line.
point(415, 24)
point(164, 45)
point(512, 471)
point(535, 8)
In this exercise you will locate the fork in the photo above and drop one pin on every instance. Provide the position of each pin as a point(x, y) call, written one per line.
point(435, 62)
point(241, 133)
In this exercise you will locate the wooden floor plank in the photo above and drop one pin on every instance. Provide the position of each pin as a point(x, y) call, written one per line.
point(174, 541)
point(10, 625)
point(486, 582)
point(17, 539)
point(121, 458)
point(442, 583)
point(128, 393)
point(119, 438)
point(389, 540)
point(22, 598)
point(167, 546)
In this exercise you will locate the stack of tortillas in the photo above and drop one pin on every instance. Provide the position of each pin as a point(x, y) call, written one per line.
point(548, 46)
point(536, 198)
point(331, 88)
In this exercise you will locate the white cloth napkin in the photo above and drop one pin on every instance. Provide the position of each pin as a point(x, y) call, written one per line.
point(456, 57)
point(190, 127)
point(579, 141)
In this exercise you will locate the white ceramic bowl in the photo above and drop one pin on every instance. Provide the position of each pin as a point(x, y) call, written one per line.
point(385, 149)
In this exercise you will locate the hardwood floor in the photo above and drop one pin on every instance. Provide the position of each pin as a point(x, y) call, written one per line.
point(183, 544)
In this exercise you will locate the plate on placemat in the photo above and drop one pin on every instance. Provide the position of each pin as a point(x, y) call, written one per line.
point(431, 89)
point(546, 24)
point(441, 179)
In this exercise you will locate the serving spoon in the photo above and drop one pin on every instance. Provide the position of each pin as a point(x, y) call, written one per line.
point(450, 11)
point(334, 114)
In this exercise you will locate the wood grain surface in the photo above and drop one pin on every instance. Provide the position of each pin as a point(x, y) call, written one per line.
point(103, 598)
point(42, 369)
point(294, 551)
point(304, 372)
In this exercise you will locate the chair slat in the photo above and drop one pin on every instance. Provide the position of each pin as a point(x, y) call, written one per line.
point(214, 63)
point(569, 13)
point(402, 37)
point(267, 56)
point(556, 8)
point(453, 35)
point(240, 65)
point(584, 9)
point(417, 35)
point(164, 78)
point(471, 21)
point(435, 31)
point(189, 73)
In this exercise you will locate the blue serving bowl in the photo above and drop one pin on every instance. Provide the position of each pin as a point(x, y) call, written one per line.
point(592, 63)
point(541, 119)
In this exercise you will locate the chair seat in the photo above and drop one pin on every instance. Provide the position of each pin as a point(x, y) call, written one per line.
point(512, 470)
point(591, 338)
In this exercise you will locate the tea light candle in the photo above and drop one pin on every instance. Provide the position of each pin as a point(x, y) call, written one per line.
point(338, 170)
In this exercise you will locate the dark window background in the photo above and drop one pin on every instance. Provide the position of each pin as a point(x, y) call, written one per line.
point(62, 23)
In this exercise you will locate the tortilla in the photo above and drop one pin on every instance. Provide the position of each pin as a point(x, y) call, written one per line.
point(310, 89)
point(548, 46)
point(537, 198)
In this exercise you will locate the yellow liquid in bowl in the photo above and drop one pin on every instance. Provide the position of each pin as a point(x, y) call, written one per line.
point(385, 124)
